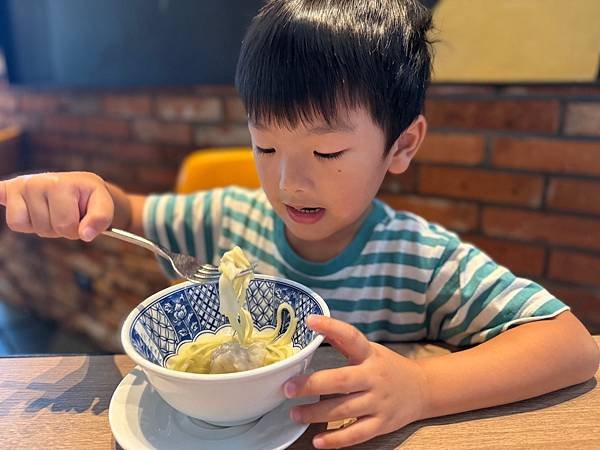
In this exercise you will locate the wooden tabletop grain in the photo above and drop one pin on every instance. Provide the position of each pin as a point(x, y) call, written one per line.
point(60, 402)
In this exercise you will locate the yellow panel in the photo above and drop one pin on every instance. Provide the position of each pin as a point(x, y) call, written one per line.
point(517, 40)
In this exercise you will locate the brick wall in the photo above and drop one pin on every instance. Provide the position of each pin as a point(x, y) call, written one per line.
point(516, 170)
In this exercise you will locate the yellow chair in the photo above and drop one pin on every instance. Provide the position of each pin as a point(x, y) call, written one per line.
point(217, 167)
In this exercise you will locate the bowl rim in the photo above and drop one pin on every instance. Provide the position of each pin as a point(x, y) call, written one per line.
point(245, 374)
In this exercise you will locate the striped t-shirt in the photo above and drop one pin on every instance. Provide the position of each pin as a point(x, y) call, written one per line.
point(401, 279)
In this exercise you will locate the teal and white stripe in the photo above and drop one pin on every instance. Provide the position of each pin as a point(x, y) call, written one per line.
point(401, 279)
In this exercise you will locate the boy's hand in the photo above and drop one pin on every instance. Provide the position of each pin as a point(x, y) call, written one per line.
point(74, 205)
point(381, 388)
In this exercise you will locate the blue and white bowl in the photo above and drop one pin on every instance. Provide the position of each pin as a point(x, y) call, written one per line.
point(158, 326)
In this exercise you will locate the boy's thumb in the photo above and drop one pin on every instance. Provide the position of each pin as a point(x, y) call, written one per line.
point(3, 193)
point(90, 227)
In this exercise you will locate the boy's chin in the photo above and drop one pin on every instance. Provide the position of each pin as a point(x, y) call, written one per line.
point(307, 233)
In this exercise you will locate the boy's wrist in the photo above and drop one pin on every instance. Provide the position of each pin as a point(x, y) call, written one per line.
point(122, 212)
point(424, 383)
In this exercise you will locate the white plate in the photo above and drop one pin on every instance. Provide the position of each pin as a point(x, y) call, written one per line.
point(140, 418)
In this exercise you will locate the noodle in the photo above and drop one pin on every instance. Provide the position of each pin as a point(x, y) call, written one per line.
point(240, 346)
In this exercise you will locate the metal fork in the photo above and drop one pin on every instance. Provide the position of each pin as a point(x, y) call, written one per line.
point(185, 266)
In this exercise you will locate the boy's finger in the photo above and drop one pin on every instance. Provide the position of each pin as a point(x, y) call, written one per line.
point(344, 380)
point(98, 214)
point(362, 430)
point(17, 215)
point(3, 193)
point(334, 409)
point(348, 340)
point(64, 213)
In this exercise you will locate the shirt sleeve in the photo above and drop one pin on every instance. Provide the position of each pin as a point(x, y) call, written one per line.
point(187, 224)
point(471, 298)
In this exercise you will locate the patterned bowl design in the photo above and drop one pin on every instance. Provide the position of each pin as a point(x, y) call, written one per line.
point(181, 315)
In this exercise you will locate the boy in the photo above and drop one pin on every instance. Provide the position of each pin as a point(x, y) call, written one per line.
point(334, 91)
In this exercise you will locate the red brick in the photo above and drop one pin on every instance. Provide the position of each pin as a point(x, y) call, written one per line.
point(128, 105)
point(26, 121)
point(579, 268)
point(552, 90)
point(207, 89)
point(161, 178)
point(8, 101)
point(542, 227)
point(64, 124)
point(105, 127)
point(45, 140)
point(89, 146)
point(222, 136)
point(523, 259)
point(584, 303)
point(82, 104)
point(123, 151)
point(30, 102)
point(548, 155)
point(150, 130)
point(540, 116)
point(109, 169)
point(467, 149)
point(451, 89)
point(139, 152)
point(498, 187)
point(574, 195)
point(9, 157)
point(457, 216)
point(400, 183)
point(234, 110)
point(190, 109)
point(583, 119)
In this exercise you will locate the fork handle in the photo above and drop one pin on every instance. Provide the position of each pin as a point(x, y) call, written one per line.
point(136, 239)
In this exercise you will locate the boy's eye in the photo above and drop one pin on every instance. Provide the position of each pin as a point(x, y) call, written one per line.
point(335, 155)
point(264, 151)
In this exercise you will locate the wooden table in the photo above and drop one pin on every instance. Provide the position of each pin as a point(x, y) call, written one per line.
point(57, 402)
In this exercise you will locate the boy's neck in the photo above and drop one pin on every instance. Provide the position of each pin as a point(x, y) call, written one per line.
point(326, 249)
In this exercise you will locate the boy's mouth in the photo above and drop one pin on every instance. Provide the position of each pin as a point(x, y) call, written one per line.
point(305, 215)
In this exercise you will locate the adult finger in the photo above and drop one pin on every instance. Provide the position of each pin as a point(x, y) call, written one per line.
point(362, 430)
point(98, 212)
point(343, 380)
point(338, 408)
point(348, 340)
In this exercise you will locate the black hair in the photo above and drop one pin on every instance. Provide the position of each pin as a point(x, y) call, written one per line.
point(302, 59)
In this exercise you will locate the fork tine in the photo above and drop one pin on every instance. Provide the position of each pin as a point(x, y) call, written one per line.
point(209, 273)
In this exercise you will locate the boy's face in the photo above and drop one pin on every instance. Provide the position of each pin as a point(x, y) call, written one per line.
point(321, 180)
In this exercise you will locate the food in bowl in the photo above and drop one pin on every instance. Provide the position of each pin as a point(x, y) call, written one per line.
point(240, 346)
point(156, 328)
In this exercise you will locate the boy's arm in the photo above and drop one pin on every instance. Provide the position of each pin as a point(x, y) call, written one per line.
point(522, 362)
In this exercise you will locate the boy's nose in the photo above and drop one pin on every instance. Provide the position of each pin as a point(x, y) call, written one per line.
point(293, 177)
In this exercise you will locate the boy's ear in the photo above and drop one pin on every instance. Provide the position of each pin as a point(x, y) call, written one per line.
point(406, 146)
